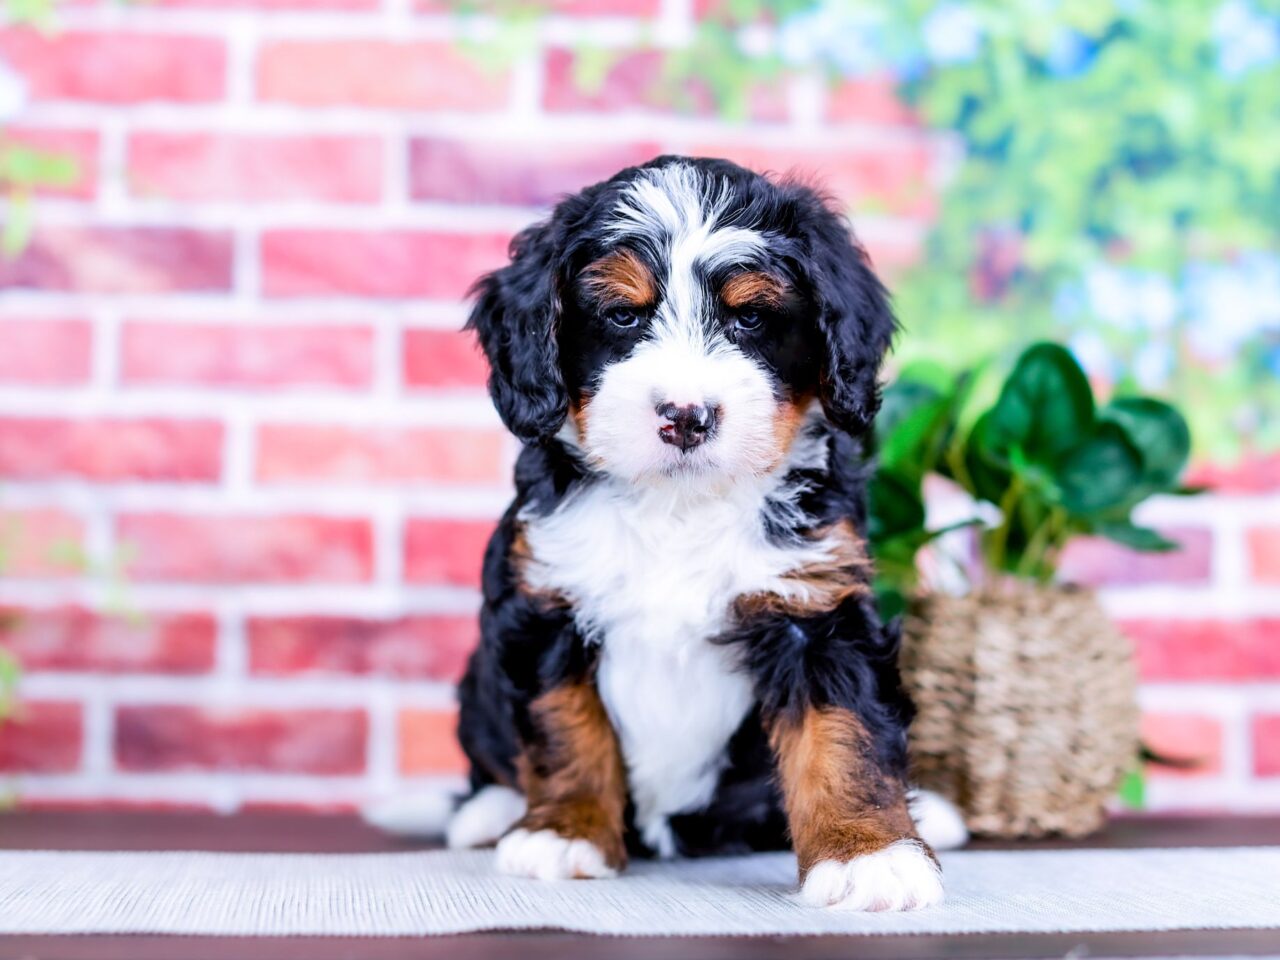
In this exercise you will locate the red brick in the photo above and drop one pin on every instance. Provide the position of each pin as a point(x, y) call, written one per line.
point(429, 743)
point(127, 260)
point(516, 172)
point(80, 147)
point(881, 178)
point(634, 81)
point(300, 263)
point(38, 448)
point(1184, 736)
point(53, 352)
point(445, 552)
point(304, 452)
point(1253, 473)
point(240, 355)
point(198, 166)
point(41, 737)
point(430, 647)
point(443, 358)
point(1206, 649)
point(116, 67)
point(424, 75)
point(869, 99)
point(40, 543)
point(1266, 745)
point(1096, 562)
point(247, 549)
point(1264, 554)
point(76, 639)
point(161, 738)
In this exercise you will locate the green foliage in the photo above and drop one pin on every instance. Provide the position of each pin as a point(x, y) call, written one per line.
point(1095, 134)
point(914, 430)
point(1145, 154)
point(1133, 789)
point(1051, 460)
point(36, 12)
point(23, 170)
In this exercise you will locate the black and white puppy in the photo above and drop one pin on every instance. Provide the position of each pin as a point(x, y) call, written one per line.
point(680, 651)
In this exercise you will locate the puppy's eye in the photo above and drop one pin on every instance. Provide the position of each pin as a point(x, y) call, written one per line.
point(748, 320)
point(625, 319)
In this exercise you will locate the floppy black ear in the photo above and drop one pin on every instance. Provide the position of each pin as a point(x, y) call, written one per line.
point(854, 318)
point(515, 316)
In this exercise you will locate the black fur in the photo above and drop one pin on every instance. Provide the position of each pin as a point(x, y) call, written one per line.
point(545, 346)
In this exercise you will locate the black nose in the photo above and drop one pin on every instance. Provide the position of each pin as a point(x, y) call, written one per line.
point(687, 426)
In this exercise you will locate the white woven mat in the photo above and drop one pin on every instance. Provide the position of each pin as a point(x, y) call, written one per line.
point(440, 892)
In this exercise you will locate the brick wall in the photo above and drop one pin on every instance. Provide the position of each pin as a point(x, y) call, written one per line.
point(246, 461)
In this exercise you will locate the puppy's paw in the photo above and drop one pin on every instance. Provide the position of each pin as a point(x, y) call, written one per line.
point(545, 855)
point(899, 877)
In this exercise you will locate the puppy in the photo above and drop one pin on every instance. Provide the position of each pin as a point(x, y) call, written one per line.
point(680, 652)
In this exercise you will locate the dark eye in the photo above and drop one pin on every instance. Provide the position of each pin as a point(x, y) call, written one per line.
point(623, 318)
point(748, 320)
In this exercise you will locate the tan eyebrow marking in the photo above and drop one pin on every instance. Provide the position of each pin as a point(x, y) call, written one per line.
point(755, 287)
point(621, 277)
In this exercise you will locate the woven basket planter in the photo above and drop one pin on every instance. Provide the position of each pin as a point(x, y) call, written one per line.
point(1027, 710)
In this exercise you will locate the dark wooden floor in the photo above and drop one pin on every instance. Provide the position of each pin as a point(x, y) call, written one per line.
point(291, 832)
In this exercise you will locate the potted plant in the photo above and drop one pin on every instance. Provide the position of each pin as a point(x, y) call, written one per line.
point(1025, 689)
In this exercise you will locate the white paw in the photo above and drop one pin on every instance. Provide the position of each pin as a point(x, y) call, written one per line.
point(545, 855)
point(485, 817)
point(938, 821)
point(899, 877)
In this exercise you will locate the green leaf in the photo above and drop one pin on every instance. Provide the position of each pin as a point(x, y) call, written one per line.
point(891, 600)
point(1133, 789)
point(902, 400)
point(1101, 473)
point(895, 506)
point(17, 226)
point(913, 447)
point(987, 470)
point(1135, 537)
point(1045, 409)
point(1159, 433)
point(24, 167)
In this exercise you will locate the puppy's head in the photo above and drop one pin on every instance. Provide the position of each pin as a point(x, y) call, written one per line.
point(680, 319)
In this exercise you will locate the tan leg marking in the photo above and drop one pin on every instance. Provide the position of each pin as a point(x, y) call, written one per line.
point(839, 805)
point(574, 779)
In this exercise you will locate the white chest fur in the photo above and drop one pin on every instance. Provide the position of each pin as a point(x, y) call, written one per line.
point(652, 576)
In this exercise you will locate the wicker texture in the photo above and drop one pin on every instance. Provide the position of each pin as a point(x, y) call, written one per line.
point(1027, 707)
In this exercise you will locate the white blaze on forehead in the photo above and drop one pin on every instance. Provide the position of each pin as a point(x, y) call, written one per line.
point(683, 219)
point(679, 214)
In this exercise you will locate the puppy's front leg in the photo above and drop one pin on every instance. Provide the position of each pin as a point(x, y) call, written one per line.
point(853, 835)
point(575, 783)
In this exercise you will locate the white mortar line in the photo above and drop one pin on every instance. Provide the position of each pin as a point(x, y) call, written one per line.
point(462, 502)
point(305, 600)
point(444, 411)
point(383, 743)
point(242, 50)
point(99, 733)
point(231, 650)
point(185, 307)
point(486, 126)
point(225, 790)
point(213, 691)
